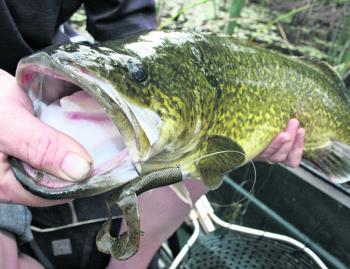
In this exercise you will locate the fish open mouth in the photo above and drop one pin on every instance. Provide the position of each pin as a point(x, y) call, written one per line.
point(78, 103)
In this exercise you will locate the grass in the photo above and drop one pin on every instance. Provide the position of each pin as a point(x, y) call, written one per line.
point(235, 10)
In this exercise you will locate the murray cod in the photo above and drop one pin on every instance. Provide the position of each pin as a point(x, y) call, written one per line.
point(173, 105)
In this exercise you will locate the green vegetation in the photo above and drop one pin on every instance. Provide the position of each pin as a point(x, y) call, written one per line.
point(235, 10)
point(316, 29)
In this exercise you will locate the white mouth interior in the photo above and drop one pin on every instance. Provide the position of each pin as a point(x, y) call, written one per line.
point(81, 117)
point(71, 110)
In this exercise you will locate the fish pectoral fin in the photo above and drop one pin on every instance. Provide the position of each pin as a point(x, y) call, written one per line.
point(333, 159)
point(222, 155)
point(127, 243)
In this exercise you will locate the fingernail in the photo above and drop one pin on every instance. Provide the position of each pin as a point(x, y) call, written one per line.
point(75, 167)
point(294, 122)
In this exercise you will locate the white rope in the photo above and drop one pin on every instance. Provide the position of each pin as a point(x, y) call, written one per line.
point(189, 243)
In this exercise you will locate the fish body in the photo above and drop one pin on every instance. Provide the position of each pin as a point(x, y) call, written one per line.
point(202, 103)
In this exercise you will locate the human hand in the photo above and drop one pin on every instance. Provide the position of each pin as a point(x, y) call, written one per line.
point(287, 147)
point(24, 136)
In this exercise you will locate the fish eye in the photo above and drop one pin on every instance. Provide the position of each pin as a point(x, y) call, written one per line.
point(138, 72)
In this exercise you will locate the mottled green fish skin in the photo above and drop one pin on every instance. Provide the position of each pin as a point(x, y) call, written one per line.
point(205, 86)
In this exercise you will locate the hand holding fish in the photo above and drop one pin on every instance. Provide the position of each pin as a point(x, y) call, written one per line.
point(287, 147)
point(24, 136)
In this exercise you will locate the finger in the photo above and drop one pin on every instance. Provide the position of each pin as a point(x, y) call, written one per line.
point(27, 138)
point(290, 133)
point(273, 147)
point(11, 190)
point(296, 153)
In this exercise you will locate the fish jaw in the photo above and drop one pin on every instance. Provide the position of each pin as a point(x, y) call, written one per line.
point(41, 68)
point(105, 94)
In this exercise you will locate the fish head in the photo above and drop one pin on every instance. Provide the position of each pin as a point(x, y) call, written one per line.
point(79, 80)
point(136, 92)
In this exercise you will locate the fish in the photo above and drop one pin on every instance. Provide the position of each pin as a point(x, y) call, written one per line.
point(172, 105)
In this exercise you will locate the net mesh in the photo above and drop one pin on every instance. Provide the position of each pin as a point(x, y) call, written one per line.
point(232, 250)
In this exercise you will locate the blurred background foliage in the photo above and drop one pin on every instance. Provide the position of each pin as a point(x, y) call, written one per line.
point(318, 29)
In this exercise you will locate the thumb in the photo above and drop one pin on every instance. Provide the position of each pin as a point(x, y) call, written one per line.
point(24, 136)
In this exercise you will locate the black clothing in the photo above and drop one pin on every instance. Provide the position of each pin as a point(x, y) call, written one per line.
point(68, 242)
point(30, 25)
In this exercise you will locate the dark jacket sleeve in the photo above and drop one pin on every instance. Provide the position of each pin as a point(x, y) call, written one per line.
point(112, 19)
point(16, 219)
